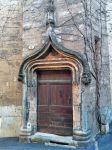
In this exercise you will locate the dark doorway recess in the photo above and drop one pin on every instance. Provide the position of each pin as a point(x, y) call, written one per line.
point(55, 114)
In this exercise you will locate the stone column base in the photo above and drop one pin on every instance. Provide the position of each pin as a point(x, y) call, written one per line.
point(83, 138)
point(24, 136)
point(105, 128)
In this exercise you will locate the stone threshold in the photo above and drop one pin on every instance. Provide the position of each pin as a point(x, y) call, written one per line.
point(40, 137)
point(52, 138)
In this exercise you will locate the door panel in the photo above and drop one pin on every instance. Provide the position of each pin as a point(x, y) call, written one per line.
point(43, 109)
point(55, 102)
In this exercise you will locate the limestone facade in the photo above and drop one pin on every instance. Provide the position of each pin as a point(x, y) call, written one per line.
point(83, 27)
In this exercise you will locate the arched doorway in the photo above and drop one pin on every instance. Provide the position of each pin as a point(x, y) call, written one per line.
point(54, 102)
point(52, 79)
point(54, 105)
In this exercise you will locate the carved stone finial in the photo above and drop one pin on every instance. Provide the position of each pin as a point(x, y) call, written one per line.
point(50, 13)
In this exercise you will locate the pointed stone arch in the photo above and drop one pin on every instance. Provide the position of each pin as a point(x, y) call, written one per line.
point(52, 56)
point(52, 41)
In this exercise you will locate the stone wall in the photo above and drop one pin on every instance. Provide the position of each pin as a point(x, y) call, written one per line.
point(96, 29)
point(109, 30)
point(10, 60)
point(23, 31)
point(34, 24)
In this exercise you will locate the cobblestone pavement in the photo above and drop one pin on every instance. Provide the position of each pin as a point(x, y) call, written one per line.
point(103, 143)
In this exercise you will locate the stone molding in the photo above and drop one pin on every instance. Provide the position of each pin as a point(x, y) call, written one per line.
point(86, 76)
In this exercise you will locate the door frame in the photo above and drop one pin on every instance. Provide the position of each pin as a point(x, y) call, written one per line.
point(61, 65)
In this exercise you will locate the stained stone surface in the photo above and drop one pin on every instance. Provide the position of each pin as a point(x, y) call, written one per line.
point(23, 31)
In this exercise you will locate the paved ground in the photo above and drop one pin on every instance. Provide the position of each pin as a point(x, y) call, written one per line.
point(103, 143)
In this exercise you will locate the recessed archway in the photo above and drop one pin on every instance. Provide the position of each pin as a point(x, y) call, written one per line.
point(57, 66)
point(53, 57)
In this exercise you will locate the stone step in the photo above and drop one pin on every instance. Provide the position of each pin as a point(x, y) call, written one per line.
point(46, 137)
point(75, 140)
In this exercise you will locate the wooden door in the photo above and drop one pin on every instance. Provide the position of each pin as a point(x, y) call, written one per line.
point(55, 102)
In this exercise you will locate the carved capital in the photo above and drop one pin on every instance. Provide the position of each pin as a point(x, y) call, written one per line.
point(86, 78)
point(31, 83)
